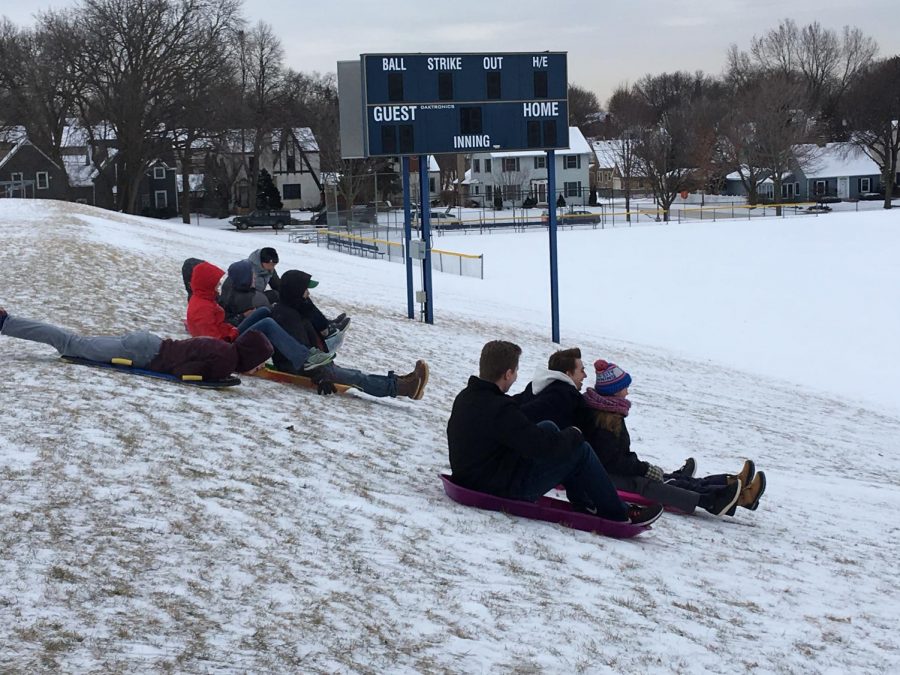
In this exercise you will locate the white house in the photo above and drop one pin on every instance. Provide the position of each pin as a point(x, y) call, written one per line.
point(296, 168)
point(516, 175)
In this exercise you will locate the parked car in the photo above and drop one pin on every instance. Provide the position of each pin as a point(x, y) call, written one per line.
point(573, 218)
point(260, 218)
point(818, 208)
point(871, 196)
point(439, 220)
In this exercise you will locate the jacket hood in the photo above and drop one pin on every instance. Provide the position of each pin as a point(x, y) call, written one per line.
point(204, 280)
point(241, 275)
point(293, 285)
point(543, 377)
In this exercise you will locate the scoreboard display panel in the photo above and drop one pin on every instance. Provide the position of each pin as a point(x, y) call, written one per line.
point(416, 104)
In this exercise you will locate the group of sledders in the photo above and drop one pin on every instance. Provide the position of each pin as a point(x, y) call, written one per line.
point(237, 322)
point(521, 447)
point(512, 447)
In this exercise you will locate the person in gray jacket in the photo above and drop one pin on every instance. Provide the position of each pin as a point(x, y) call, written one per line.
point(264, 261)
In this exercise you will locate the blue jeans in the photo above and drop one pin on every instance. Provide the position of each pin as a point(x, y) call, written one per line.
point(374, 385)
point(587, 484)
point(260, 320)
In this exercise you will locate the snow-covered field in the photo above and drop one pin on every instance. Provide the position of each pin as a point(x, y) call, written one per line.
point(146, 526)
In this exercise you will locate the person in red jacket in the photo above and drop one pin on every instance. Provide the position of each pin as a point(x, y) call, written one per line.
point(210, 358)
point(206, 318)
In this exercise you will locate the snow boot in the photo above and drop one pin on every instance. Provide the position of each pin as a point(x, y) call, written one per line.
point(750, 495)
point(722, 501)
point(745, 475)
point(412, 385)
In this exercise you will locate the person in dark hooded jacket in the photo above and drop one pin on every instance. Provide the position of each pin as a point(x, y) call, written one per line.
point(288, 313)
point(210, 358)
point(264, 261)
point(239, 296)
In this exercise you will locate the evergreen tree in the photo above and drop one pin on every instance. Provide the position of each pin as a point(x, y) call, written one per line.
point(561, 201)
point(267, 195)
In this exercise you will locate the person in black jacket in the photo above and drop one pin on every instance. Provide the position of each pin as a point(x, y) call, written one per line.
point(607, 433)
point(288, 313)
point(495, 448)
point(211, 358)
point(555, 392)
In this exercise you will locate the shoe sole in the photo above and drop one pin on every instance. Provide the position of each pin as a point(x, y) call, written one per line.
point(644, 523)
point(762, 488)
point(312, 366)
point(731, 504)
point(420, 391)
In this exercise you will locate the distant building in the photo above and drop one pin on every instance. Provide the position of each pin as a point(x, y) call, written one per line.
point(839, 170)
point(516, 175)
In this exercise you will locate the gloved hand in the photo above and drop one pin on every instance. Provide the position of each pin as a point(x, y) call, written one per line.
point(325, 388)
point(653, 472)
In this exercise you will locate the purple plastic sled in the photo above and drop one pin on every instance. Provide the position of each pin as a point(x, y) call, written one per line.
point(546, 508)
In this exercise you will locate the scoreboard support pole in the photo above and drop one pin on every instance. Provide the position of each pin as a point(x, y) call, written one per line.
point(407, 238)
point(554, 269)
point(425, 210)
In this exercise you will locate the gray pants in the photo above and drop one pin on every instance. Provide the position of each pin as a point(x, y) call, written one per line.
point(668, 495)
point(140, 347)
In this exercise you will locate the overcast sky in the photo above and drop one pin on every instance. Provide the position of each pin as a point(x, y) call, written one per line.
point(609, 42)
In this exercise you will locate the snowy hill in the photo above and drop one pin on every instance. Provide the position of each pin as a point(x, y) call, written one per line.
point(148, 526)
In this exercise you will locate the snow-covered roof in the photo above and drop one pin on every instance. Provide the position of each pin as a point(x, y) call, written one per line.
point(80, 174)
point(306, 139)
point(76, 136)
point(839, 159)
point(578, 145)
point(467, 179)
point(606, 153)
point(195, 181)
point(12, 134)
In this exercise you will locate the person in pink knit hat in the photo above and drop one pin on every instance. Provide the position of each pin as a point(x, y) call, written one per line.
point(606, 431)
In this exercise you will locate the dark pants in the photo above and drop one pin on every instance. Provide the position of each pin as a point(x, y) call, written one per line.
point(657, 491)
point(588, 487)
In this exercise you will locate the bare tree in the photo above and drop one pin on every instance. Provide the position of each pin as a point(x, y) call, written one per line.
point(41, 90)
point(584, 110)
point(782, 130)
point(261, 73)
point(669, 148)
point(872, 111)
point(630, 115)
point(824, 60)
point(195, 114)
point(131, 56)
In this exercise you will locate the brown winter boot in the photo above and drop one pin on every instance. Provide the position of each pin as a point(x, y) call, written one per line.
point(745, 475)
point(750, 495)
point(413, 384)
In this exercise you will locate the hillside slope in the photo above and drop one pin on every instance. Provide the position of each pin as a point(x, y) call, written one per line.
point(148, 526)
